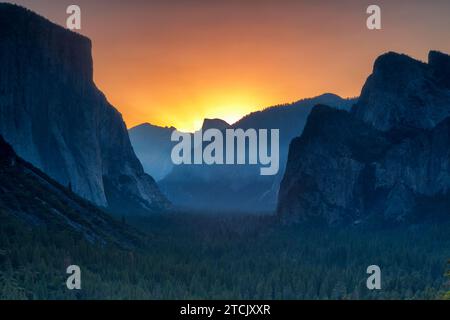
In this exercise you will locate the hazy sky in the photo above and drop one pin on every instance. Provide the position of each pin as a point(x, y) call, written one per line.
point(175, 62)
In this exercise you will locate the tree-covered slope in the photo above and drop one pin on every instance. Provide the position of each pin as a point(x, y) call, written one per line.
point(31, 198)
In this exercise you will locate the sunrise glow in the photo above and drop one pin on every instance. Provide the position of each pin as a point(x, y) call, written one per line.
point(174, 63)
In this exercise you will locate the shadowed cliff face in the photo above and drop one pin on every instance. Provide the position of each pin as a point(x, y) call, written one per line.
point(387, 160)
point(54, 116)
point(403, 92)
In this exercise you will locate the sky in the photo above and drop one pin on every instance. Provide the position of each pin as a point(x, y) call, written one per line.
point(176, 62)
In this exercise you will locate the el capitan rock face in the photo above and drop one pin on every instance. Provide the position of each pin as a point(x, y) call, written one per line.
point(388, 160)
point(54, 116)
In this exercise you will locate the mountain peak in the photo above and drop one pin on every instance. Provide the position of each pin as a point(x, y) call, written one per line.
point(15, 11)
point(393, 63)
point(215, 124)
point(396, 94)
point(147, 125)
point(440, 64)
point(28, 30)
point(328, 95)
point(437, 56)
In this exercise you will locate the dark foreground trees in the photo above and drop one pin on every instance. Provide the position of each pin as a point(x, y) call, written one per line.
point(204, 257)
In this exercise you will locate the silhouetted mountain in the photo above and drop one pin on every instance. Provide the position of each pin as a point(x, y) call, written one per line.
point(387, 160)
point(153, 147)
point(35, 200)
point(215, 124)
point(405, 93)
point(241, 187)
point(54, 116)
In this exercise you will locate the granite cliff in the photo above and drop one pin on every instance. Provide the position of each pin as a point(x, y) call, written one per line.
point(54, 116)
point(386, 161)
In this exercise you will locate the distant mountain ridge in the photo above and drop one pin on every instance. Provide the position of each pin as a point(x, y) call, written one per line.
point(54, 116)
point(153, 147)
point(241, 187)
point(386, 161)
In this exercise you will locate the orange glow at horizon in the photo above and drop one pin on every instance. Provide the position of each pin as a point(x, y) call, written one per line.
point(174, 63)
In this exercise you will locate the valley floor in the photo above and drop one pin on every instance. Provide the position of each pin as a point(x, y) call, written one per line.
point(194, 256)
